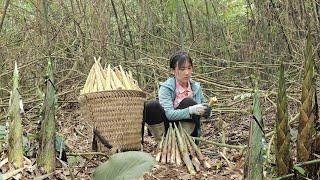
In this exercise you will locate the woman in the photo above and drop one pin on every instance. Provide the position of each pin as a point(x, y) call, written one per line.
point(180, 99)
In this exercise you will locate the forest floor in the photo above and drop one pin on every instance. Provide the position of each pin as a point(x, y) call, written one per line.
point(78, 138)
point(226, 163)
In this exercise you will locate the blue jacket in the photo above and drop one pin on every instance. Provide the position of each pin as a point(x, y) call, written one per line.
point(167, 95)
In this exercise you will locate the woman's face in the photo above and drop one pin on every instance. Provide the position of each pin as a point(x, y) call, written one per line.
point(183, 73)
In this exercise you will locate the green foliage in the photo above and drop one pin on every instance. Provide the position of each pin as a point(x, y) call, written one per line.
point(126, 165)
point(300, 170)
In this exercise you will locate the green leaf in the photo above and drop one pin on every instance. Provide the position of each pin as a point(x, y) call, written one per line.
point(126, 165)
point(299, 169)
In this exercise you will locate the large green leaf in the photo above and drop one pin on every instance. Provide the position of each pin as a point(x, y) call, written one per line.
point(126, 165)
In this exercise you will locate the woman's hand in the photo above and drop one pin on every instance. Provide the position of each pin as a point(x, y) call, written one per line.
point(200, 109)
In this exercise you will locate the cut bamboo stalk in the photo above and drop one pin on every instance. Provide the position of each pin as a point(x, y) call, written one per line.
point(91, 83)
point(118, 73)
point(164, 150)
point(169, 144)
point(103, 76)
point(124, 78)
point(130, 79)
point(173, 147)
point(178, 155)
point(95, 86)
point(185, 155)
point(89, 79)
point(194, 159)
point(108, 78)
point(113, 85)
point(198, 152)
point(99, 77)
point(116, 80)
point(160, 149)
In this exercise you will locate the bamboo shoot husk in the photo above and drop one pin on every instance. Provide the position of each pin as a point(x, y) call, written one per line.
point(169, 144)
point(116, 80)
point(282, 128)
point(15, 144)
point(194, 158)
point(108, 78)
point(198, 152)
point(160, 145)
point(124, 78)
point(178, 156)
point(99, 78)
point(118, 73)
point(164, 150)
point(90, 78)
point(173, 147)
point(185, 155)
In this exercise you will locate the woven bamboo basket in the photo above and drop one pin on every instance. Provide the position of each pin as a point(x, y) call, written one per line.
point(117, 115)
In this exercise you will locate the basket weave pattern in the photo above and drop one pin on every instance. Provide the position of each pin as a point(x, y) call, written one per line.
point(117, 115)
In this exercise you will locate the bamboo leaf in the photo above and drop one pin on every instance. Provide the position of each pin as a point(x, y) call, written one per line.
point(126, 165)
point(299, 169)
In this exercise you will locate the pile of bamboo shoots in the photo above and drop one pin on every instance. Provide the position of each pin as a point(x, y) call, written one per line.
point(177, 146)
point(107, 79)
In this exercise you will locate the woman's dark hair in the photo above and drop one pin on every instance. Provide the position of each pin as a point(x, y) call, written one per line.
point(179, 58)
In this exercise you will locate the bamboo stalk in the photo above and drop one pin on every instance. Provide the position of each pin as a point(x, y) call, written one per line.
point(173, 147)
point(169, 144)
point(185, 155)
point(198, 152)
point(108, 79)
point(178, 155)
point(220, 144)
point(194, 159)
point(164, 150)
point(125, 78)
point(86, 87)
point(99, 78)
point(160, 145)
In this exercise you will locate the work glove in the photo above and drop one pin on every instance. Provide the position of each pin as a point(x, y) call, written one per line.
point(207, 112)
point(198, 109)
